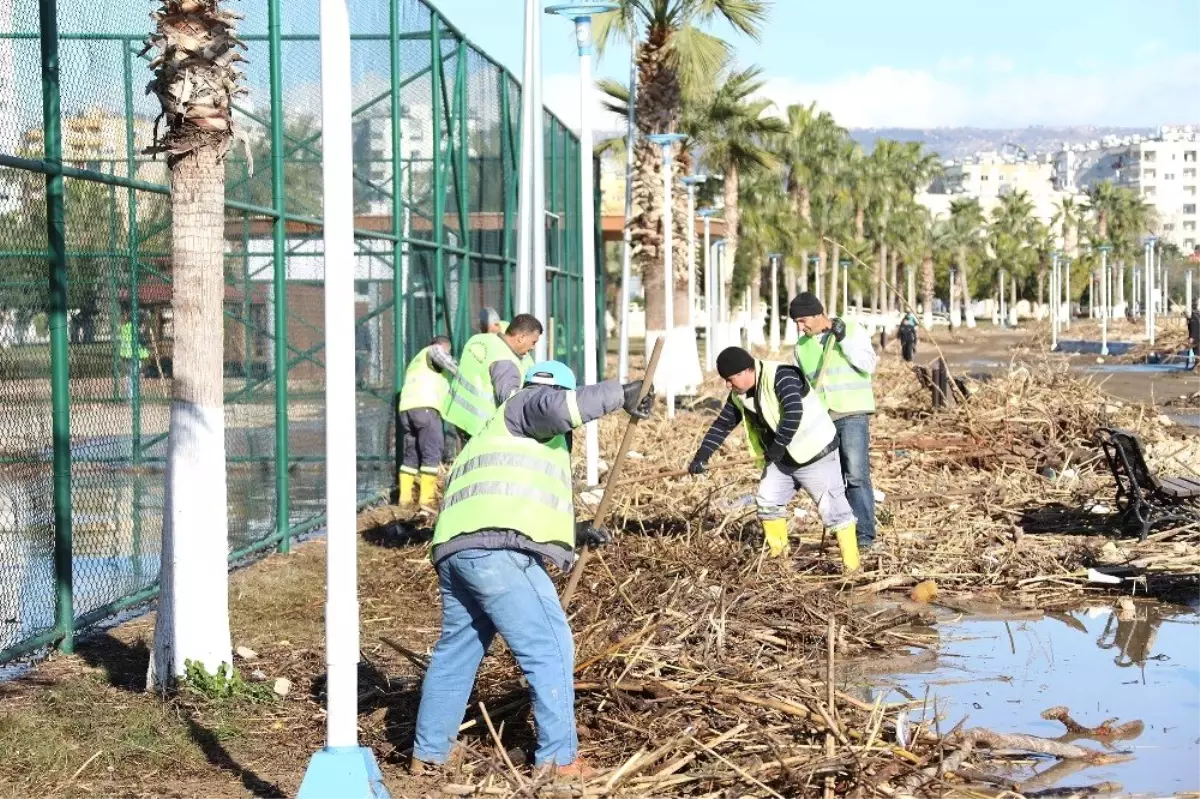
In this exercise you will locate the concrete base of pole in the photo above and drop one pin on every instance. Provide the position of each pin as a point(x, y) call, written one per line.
point(680, 374)
point(343, 772)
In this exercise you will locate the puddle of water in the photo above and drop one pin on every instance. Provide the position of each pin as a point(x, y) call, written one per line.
point(1145, 666)
point(1093, 347)
point(1134, 368)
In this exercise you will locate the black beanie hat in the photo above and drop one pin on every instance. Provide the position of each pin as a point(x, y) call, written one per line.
point(733, 360)
point(805, 304)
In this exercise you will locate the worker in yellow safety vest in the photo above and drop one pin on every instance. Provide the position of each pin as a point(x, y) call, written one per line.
point(509, 514)
point(837, 358)
point(490, 370)
point(790, 432)
point(131, 351)
point(422, 400)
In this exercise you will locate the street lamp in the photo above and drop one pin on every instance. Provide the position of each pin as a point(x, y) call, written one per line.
point(1055, 301)
point(774, 317)
point(845, 264)
point(667, 142)
point(710, 305)
point(692, 181)
point(342, 768)
point(1149, 242)
point(1104, 298)
point(582, 14)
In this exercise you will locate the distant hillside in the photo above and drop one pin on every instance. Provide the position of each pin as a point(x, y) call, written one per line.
point(959, 142)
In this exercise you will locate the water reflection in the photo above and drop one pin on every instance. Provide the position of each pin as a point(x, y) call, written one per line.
point(1136, 662)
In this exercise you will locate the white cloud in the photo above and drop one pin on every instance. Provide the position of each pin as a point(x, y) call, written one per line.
point(999, 63)
point(1161, 91)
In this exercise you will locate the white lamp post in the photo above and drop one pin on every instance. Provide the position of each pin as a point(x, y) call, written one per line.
point(1055, 306)
point(1104, 298)
point(1066, 268)
point(692, 181)
point(1149, 281)
point(710, 304)
point(845, 264)
point(582, 14)
point(342, 768)
point(667, 142)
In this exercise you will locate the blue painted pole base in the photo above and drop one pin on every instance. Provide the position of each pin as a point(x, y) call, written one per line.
point(343, 772)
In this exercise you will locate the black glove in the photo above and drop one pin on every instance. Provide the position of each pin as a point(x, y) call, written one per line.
point(776, 452)
point(838, 328)
point(696, 466)
point(635, 408)
point(587, 534)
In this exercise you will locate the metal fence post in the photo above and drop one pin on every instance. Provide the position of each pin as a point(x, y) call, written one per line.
point(135, 376)
point(399, 356)
point(64, 608)
point(510, 193)
point(439, 178)
point(601, 274)
point(279, 279)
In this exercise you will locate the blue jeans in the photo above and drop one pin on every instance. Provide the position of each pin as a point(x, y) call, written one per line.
point(855, 434)
point(504, 591)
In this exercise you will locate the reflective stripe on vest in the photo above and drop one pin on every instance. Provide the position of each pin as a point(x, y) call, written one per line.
point(816, 428)
point(424, 386)
point(471, 400)
point(513, 483)
point(841, 387)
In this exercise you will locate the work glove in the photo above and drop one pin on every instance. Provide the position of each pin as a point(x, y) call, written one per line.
point(587, 534)
point(635, 408)
point(776, 452)
point(838, 328)
point(696, 467)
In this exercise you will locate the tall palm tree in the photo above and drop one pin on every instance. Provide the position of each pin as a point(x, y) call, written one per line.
point(675, 55)
point(806, 148)
point(1132, 219)
point(898, 170)
point(766, 212)
point(1067, 216)
point(1010, 236)
point(195, 79)
point(732, 128)
point(963, 234)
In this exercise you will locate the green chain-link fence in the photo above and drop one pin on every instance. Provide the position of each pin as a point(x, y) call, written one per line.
point(85, 278)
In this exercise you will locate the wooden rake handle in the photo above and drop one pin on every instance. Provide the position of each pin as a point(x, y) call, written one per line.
point(606, 501)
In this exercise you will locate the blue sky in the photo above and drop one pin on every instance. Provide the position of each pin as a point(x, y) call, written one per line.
point(930, 63)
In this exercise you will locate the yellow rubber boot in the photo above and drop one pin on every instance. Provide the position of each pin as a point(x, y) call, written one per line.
point(407, 483)
point(775, 532)
point(847, 538)
point(428, 490)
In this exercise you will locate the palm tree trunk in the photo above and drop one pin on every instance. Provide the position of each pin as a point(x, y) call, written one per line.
point(832, 305)
point(732, 214)
point(646, 231)
point(1041, 289)
point(1012, 305)
point(964, 289)
point(894, 293)
point(804, 284)
point(927, 290)
point(193, 606)
point(1119, 291)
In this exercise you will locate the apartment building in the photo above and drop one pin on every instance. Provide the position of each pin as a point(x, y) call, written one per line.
point(1162, 169)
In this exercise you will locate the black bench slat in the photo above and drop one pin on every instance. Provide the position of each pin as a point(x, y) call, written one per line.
point(1177, 487)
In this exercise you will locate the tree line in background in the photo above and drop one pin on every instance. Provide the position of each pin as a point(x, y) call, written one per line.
point(795, 183)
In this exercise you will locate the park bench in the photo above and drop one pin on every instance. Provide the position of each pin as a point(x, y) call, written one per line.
point(1143, 497)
